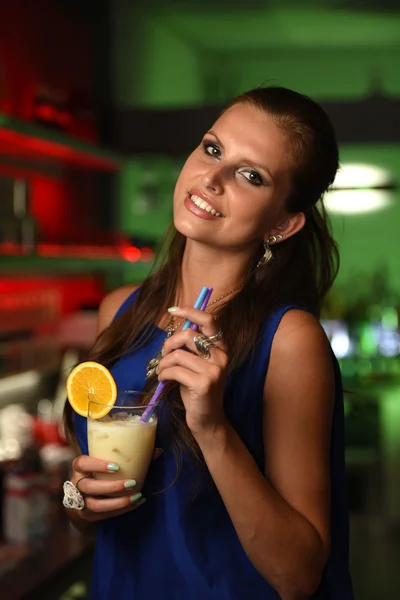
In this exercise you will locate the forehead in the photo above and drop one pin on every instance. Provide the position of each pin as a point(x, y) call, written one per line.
point(251, 134)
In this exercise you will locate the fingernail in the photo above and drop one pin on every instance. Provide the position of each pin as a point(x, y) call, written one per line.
point(130, 483)
point(135, 497)
point(157, 370)
point(113, 467)
point(173, 309)
point(142, 501)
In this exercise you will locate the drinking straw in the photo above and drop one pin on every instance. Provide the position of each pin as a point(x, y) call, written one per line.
point(194, 326)
point(201, 303)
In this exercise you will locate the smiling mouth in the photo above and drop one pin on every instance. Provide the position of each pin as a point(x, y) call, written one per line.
point(204, 205)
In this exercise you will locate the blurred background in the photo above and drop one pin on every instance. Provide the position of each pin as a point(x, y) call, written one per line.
point(100, 102)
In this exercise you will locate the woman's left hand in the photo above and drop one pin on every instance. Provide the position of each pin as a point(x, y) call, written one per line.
point(202, 381)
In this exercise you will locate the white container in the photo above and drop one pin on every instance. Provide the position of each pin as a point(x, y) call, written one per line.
point(25, 509)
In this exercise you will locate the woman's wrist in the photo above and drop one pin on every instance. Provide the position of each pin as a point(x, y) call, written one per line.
point(84, 526)
point(214, 437)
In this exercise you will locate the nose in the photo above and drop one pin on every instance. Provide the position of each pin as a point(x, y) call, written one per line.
point(213, 180)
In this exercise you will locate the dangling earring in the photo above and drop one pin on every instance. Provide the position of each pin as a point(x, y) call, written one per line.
point(264, 260)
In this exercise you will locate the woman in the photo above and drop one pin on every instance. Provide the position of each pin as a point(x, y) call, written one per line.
point(248, 498)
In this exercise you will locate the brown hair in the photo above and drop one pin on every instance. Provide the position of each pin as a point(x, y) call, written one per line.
point(301, 272)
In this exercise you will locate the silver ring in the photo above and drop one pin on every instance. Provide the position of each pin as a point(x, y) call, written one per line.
point(216, 337)
point(72, 497)
point(203, 345)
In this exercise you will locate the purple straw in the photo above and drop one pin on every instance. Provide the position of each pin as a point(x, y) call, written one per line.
point(204, 298)
point(203, 307)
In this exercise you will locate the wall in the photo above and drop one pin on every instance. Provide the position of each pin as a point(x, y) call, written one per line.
point(167, 56)
point(152, 66)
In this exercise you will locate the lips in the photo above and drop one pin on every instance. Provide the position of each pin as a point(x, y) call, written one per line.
point(203, 202)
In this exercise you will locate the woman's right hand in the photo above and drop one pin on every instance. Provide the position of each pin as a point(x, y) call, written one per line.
point(103, 499)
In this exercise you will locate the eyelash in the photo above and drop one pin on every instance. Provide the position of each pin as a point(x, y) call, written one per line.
point(256, 182)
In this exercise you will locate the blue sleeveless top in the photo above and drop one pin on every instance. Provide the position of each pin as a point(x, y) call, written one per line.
point(182, 545)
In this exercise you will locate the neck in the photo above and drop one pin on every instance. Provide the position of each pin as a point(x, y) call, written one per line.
point(209, 266)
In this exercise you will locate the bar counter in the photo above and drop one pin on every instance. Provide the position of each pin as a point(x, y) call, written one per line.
point(49, 570)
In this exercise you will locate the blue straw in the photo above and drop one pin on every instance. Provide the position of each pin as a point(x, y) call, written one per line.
point(197, 304)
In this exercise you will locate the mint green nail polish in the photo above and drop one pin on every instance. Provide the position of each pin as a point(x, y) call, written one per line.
point(173, 309)
point(142, 501)
point(135, 497)
point(130, 483)
point(113, 467)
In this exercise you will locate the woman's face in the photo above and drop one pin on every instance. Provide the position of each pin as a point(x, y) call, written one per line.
point(232, 189)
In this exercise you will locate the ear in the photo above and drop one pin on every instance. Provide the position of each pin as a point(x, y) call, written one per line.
point(284, 230)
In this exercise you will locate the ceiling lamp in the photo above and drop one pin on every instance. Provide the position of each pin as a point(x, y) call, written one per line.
point(360, 188)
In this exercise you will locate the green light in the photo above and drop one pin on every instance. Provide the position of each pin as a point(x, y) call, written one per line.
point(390, 319)
point(368, 341)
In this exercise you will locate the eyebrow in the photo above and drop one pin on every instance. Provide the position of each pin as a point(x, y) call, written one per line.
point(256, 165)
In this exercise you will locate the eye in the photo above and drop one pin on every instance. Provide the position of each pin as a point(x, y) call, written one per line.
point(253, 177)
point(211, 149)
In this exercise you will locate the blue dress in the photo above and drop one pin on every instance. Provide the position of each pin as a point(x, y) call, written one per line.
point(182, 545)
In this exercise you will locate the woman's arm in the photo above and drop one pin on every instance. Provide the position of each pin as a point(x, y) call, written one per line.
point(282, 519)
point(76, 519)
point(110, 305)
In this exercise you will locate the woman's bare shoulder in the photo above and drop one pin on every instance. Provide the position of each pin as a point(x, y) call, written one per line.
point(110, 305)
point(300, 347)
point(297, 322)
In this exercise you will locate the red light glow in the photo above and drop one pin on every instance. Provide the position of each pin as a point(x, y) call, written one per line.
point(21, 144)
point(128, 253)
point(131, 253)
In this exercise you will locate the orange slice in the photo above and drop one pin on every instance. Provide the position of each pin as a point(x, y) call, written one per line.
point(90, 381)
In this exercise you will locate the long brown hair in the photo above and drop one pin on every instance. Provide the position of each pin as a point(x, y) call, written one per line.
point(301, 272)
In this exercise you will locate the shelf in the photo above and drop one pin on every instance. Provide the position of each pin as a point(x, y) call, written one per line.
point(63, 264)
point(12, 384)
point(30, 142)
point(28, 377)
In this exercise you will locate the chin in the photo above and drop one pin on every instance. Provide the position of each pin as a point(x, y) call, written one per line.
point(189, 230)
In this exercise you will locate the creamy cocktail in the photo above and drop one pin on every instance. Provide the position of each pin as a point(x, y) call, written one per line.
point(120, 437)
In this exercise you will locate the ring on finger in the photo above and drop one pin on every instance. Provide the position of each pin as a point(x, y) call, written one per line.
point(72, 496)
point(203, 345)
point(217, 337)
point(78, 482)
